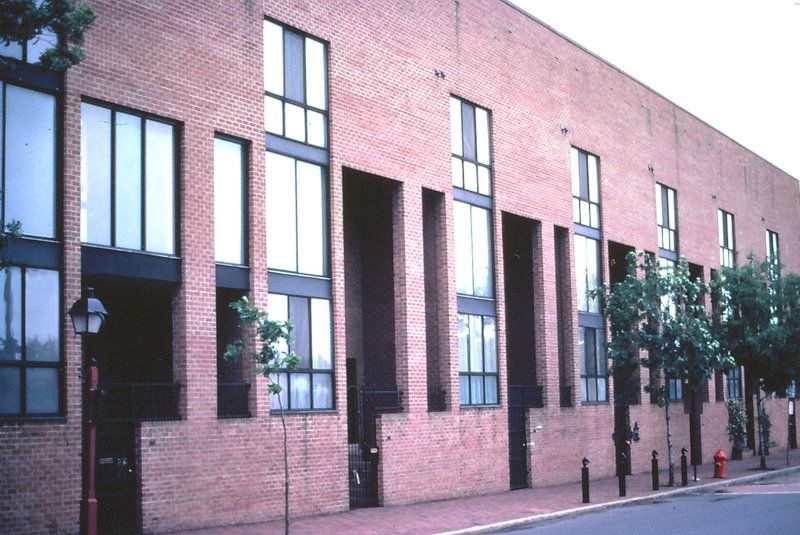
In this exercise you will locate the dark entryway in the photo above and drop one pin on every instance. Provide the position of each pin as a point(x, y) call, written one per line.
point(117, 479)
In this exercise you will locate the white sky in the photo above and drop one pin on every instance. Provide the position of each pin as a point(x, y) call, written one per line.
point(735, 64)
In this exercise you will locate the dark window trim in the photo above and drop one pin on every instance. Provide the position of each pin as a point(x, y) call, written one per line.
point(669, 255)
point(231, 276)
point(470, 197)
point(588, 232)
point(246, 147)
point(476, 305)
point(299, 285)
point(31, 76)
point(33, 252)
point(100, 260)
point(587, 319)
point(295, 149)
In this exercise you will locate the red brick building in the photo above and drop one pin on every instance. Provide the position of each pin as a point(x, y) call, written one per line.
point(426, 189)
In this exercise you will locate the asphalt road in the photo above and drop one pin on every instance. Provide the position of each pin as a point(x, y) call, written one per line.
point(769, 509)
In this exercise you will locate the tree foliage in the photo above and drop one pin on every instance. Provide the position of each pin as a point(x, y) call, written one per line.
point(737, 424)
point(63, 22)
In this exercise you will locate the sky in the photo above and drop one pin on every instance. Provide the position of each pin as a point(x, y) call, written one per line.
point(735, 64)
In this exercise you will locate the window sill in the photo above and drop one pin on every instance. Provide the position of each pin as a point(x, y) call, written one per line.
point(12, 420)
point(299, 412)
point(595, 403)
point(478, 407)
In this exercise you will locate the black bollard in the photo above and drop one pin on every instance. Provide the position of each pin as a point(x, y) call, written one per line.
point(654, 468)
point(684, 468)
point(621, 473)
point(585, 479)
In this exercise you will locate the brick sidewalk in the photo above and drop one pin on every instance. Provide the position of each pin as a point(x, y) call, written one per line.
point(463, 513)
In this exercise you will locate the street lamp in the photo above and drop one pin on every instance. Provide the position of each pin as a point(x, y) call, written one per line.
point(88, 315)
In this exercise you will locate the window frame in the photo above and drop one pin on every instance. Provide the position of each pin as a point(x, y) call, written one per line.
point(667, 217)
point(462, 159)
point(469, 374)
point(489, 252)
point(726, 233)
point(733, 383)
point(245, 200)
point(585, 273)
point(581, 182)
point(599, 356)
point(674, 389)
point(177, 135)
point(23, 364)
point(773, 250)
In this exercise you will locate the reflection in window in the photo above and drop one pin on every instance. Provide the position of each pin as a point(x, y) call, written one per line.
point(585, 171)
point(30, 368)
point(229, 201)
point(473, 250)
point(594, 378)
point(477, 360)
point(295, 90)
point(470, 147)
point(727, 246)
point(127, 171)
point(297, 216)
point(310, 385)
point(666, 217)
point(587, 272)
point(28, 157)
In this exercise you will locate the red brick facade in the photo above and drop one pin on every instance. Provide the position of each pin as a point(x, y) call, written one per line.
point(200, 64)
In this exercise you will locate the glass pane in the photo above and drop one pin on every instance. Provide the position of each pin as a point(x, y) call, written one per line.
point(481, 252)
point(484, 184)
point(659, 213)
point(476, 393)
point(490, 383)
point(301, 331)
point(580, 273)
point(591, 384)
point(315, 74)
point(95, 174)
point(293, 60)
point(323, 391)
point(575, 173)
point(463, 247)
point(30, 152)
point(315, 124)
point(455, 127)
point(468, 130)
point(300, 391)
point(38, 45)
point(11, 314)
point(273, 58)
point(482, 135)
point(281, 399)
point(278, 310)
point(576, 210)
point(489, 344)
point(228, 202)
point(42, 315)
point(585, 220)
point(475, 344)
point(41, 391)
point(721, 228)
point(11, 50)
point(463, 389)
point(311, 219)
point(273, 116)
point(463, 343)
point(600, 351)
point(602, 394)
point(458, 172)
point(295, 122)
point(281, 214)
point(730, 231)
point(660, 237)
point(671, 208)
point(9, 391)
point(321, 340)
point(584, 390)
point(159, 188)
point(594, 186)
point(128, 181)
point(582, 349)
point(470, 176)
point(592, 272)
point(594, 216)
point(590, 349)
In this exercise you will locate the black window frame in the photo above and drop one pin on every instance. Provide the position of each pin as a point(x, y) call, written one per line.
point(584, 186)
point(598, 356)
point(727, 233)
point(177, 134)
point(470, 374)
point(469, 130)
point(23, 364)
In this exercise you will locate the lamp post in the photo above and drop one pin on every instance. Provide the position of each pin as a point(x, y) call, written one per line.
point(88, 315)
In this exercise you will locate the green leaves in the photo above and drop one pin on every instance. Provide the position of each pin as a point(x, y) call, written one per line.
point(737, 424)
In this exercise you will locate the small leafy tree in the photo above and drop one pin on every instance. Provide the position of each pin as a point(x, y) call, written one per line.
point(63, 22)
point(660, 312)
point(272, 357)
point(737, 427)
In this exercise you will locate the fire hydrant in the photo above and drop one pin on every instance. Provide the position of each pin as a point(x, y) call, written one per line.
point(720, 459)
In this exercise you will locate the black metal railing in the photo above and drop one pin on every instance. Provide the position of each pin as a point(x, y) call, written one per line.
point(383, 400)
point(137, 402)
point(525, 396)
point(233, 400)
point(565, 395)
point(437, 399)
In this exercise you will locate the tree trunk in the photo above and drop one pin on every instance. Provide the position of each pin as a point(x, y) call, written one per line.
point(669, 445)
point(285, 470)
point(762, 457)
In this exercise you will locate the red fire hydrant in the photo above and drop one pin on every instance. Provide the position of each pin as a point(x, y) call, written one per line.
point(720, 459)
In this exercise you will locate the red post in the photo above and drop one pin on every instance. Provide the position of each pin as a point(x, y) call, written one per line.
point(89, 504)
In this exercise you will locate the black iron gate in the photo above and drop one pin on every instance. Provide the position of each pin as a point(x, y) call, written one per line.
point(363, 407)
point(117, 488)
point(520, 399)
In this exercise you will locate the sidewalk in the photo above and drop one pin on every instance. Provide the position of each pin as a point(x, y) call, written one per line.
point(473, 515)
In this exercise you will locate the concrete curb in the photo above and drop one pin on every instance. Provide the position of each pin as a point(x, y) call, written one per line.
point(535, 519)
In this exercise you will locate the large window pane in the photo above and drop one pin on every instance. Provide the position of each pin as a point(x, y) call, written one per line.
point(10, 400)
point(315, 74)
point(463, 343)
point(455, 127)
point(42, 315)
point(128, 181)
point(273, 58)
point(282, 399)
point(482, 135)
point(41, 390)
point(30, 161)
point(300, 391)
point(311, 219)
point(281, 217)
point(475, 344)
point(463, 247)
point(481, 252)
point(159, 187)
point(301, 333)
point(228, 201)
point(11, 314)
point(321, 340)
point(489, 345)
point(323, 391)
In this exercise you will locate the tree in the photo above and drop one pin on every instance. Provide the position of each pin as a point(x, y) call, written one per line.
point(659, 310)
point(271, 358)
point(63, 22)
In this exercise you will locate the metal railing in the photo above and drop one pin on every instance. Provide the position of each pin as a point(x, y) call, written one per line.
point(437, 399)
point(138, 402)
point(233, 400)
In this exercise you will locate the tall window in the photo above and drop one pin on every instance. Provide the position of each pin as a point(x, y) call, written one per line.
point(310, 385)
point(477, 360)
point(727, 245)
point(295, 91)
point(587, 272)
point(28, 159)
point(666, 217)
point(230, 185)
point(675, 389)
point(735, 383)
point(128, 168)
point(594, 373)
point(469, 141)
point(773, 247)
point(585, 188)
point(30, 344)
point(473, 250)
